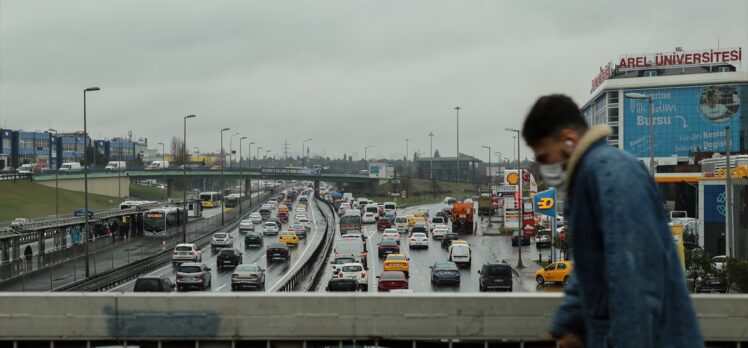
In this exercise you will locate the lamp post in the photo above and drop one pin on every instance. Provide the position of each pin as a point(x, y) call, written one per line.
point(431, 150)
point(231, 149)
point(651, 127)
point(457, 108)
point(223, 160)
point(366, 160)
point(57, 186)
point(184, 177)
point(197, 151)
point(489, 164)
point(303, 151)
point(241, 181)
point(521, 203)
point(249, 158)
point(163, 173)
point(258, 156)
point(407, 163)
point(85, 174)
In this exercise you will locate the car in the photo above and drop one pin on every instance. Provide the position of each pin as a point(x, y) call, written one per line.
point(418, 240)
point(277, 222)
point(369, 218)
point(355, 235)
point(397, 262)
point(445, 273)
point(344, 207)
point(389, 235)
point(461, 254)
point(228, 257)
point(495, 276)
point(390, 216)
point(557, 272)
point(246, 225)
point(440, 231)
point(419, 228)
point(448, 238)
point(443, 214)
point(719, 262)
point(715, 284)
point(253, 239)
point(256, 218)
point(186, 252)
point(383, 224)
point(277, 250)
point(154, 284)
point(287, 202)
point(518, 239)
point(447, 211)
point(423, 210)
point(342, 285)
point(270, 228)
point(354, 271)
point(437, 220)
point(449, 200)
point(543, 241)
point(387, 247)
point(251, 275)
point(401, 223)
point(392, 280)
point(221, 240)
point(299, 228)
point(193, 275)
point(289, 237)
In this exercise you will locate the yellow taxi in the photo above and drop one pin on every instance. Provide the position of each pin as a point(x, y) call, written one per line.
point(411, 220)
point(282, 208)
point(420, 214)
point(289, 237)
point(397, 262)
point(460, 241)
point(556, 272)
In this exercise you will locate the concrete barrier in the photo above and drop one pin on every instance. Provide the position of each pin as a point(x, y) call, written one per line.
point(311, 316)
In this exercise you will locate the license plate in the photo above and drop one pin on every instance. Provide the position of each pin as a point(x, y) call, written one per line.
point(226, 261)
point(182, 253)
point(498, 280)
point(276, 254)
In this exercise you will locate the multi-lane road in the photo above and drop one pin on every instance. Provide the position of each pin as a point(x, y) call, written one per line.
point(275, 272)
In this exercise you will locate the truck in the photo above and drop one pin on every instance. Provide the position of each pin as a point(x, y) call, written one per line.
point(462, 217)
point(485, 204)
point(349, 250)
point(158, 165)
point(351, 221)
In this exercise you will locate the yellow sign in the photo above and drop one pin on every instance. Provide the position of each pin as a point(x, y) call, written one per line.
point(512, 178)
point(738, 172)
point(545, 203)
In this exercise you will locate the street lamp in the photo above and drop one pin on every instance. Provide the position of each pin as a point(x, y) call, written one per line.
point(407, 163)
point(184, 177)
point(457, 108)
point(303, 151)
point(231, 149)
point(366, 161)
point(521, 203)
point(651, 127)
point(85, 173)
point(197, 151)
point(431, 150)
point(163, 161)
point(223, 158)
point(258, 155)
point(249, 158)
point(489, 164)
point(499, 157)
point(241, 180)
point(57, 186)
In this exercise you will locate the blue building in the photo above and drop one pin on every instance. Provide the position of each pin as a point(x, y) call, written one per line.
point(71, 147)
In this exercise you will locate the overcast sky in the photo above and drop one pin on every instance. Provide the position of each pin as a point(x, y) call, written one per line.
point(345, 73)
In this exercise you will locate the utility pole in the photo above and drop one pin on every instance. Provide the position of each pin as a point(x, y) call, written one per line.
point(728, 203)
point(285, 149)
point(457, 108)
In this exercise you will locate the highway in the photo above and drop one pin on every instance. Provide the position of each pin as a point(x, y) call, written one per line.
point(485, 248)
point(274, 273)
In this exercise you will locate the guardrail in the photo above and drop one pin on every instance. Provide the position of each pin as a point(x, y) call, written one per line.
point(117, 276)
point(314, 320)
point(311, 265)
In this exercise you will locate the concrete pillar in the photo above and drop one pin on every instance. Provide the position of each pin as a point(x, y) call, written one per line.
point(316, 188)
point(169, 187)
point(41, 242)
point(5, 245)
point(16, 248)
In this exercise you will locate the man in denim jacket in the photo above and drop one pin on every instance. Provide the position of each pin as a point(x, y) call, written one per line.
point(627, 288)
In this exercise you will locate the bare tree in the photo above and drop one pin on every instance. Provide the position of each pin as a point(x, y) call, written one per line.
point(177, 151)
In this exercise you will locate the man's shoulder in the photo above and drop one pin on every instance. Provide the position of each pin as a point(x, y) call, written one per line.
point(603, 158)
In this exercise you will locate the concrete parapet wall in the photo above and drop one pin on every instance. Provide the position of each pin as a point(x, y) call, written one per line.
point(309, 316)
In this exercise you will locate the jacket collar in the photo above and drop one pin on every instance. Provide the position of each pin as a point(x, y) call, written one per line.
point(590, 137)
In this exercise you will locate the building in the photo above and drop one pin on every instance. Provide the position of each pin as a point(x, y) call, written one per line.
point(71, 147)
point(445, 168)
point(715, 212)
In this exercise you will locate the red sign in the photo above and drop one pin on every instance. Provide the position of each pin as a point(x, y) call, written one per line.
point(605, 73)
point(679, 58)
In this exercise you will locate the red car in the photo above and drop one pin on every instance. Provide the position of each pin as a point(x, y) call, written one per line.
point(392, 280)
point(283, 216)
point(383, 224)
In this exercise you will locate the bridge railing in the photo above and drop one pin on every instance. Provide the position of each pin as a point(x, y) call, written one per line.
point(316, 319)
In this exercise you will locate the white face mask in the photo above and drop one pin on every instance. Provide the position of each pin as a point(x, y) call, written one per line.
point(553, 174)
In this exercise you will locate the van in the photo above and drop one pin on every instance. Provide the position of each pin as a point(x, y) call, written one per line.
point(460, 254)
point(401, 222)
point(115, 165)
point(71, 167)
point(157, 165)
point(372, 208)
point(390, 207)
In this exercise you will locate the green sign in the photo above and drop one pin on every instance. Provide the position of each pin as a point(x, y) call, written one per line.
point(395, 181)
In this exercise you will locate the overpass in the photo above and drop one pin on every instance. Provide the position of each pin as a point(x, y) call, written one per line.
point(312, 320)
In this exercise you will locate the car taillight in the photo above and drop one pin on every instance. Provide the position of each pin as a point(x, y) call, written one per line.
point(180, 277)
point(363, 274)
point(199, 276)
point(192, 253)
point(234, 275)
point(174, 253)
point(340, 274)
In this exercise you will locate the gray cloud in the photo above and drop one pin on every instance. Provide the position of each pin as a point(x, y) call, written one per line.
point(346, 73)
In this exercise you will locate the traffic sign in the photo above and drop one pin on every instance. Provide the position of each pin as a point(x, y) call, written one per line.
point(80, 212)
point(395, 181)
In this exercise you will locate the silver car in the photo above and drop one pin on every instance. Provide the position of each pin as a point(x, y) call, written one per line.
point(221, 240)
point(186, 252)
point(251, 275)
point(193, 275)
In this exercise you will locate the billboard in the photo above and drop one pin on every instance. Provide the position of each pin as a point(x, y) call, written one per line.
point(685, 120)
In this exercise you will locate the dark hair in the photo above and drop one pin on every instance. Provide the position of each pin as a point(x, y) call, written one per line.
point(549, 115)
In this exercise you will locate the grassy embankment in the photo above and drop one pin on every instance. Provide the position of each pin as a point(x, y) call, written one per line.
point(25, 199)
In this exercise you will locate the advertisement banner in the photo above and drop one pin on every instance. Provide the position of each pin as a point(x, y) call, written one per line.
point(714, 203)
point(511, 219)
point(685, 120)
point(545, 202)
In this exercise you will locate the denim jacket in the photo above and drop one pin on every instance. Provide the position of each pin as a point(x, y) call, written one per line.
point(627, 288)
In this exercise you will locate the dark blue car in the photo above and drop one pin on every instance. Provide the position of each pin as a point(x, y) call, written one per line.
point(445, 273)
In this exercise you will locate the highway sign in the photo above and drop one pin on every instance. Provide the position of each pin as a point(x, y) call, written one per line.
point(81, 211)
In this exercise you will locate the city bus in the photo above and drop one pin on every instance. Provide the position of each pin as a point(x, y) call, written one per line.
point(156, 221)
point(136, 204)
point(211, 199)
point(232, 201)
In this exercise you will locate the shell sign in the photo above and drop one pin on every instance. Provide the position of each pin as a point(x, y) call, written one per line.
point(512, 178)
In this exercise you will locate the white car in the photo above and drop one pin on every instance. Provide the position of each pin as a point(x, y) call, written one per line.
point(343, 208)
point(354, 271)
point(221, 240)
point(270, 228)
point(418, 240)
point(401, 222)
point(186, 252)
point(439, 231)
point(302, 219)
point(719, 262)
point(256, 218)
point(246, 225)
point(391, 234)
point(369, 218)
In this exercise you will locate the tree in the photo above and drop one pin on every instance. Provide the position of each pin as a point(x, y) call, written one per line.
point(699, 264)
point(436, 154)
point(94, 157)
point(179, 156)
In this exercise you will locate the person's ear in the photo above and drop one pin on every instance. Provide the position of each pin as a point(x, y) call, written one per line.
point(569, 136)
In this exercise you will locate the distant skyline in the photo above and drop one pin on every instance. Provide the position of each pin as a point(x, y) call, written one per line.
point(345, 73)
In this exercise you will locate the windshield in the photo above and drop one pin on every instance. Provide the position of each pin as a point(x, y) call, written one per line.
point(352, 268)
point(497, 270)
point(342, 260)
point(184, 248)
point(189, 269)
